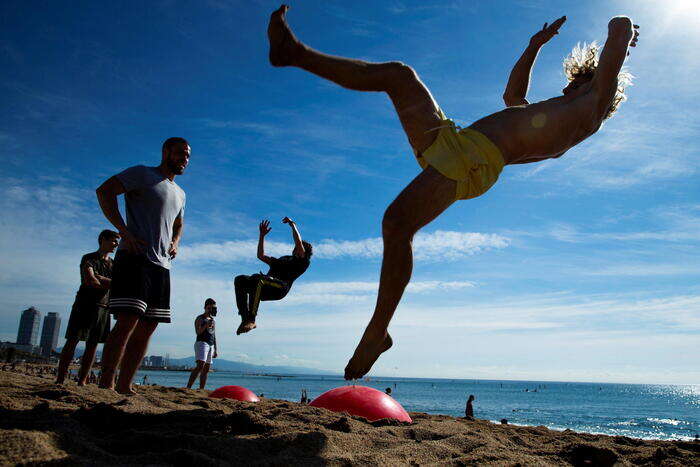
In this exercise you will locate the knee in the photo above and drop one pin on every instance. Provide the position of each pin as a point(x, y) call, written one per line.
point(396, 225)
point(126, 323)
point(403, 71)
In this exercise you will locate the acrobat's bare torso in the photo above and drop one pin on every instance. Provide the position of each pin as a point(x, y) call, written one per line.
point(546, 129)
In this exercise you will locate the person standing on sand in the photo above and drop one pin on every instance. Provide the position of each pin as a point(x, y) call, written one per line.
point(89, 318)
point(140, 294)
point(469, 410)
point(205, 345)
point(276, 284)
point(462, 163)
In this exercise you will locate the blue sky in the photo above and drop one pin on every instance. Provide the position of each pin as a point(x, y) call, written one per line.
point(583, 268)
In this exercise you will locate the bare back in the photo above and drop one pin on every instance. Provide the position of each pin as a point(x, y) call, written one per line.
point(545, 129)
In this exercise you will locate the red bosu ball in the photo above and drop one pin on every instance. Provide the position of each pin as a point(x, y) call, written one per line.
point(238, 393)
point(363, 402)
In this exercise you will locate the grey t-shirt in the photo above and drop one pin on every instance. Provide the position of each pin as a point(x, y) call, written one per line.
point(153, 202)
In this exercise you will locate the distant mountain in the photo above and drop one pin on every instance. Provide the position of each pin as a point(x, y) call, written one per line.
point(229, 365)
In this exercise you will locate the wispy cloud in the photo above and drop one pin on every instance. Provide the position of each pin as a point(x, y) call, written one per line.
point(439, 245)
point(346, 293)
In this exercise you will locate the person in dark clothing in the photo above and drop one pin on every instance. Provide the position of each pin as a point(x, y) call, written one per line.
point(469, 410)
point(89, 318)
point(274, 285)
point(205, 345)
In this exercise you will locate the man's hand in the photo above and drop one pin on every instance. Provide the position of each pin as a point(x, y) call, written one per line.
point(216, 354)
point(172, 250)
point(265, 227)
point(133, 245)
point(543, 36)
point(287, 220)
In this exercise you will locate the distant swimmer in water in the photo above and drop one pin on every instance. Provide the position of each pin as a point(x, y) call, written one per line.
point(274, 285)
point(463, 163)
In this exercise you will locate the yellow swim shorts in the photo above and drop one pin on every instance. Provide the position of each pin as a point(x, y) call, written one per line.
point(465, 156)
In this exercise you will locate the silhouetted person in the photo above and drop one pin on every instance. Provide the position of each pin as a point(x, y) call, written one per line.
point(205, 345)
point(469, 410)
point(89, 317)
point(462, 163)
point(150, 238)
point(274, 285)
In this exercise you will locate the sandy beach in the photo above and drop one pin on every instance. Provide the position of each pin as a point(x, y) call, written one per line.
point(46, 423)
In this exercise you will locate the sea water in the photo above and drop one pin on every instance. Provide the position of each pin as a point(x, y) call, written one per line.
point(636, 410)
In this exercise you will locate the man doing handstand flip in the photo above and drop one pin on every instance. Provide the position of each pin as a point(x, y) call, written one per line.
point(274, 285)
point(462, 163)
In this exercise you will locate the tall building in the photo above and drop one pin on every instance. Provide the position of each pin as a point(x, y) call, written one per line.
point(157, 360)
point(28, 332)
point(49, 333)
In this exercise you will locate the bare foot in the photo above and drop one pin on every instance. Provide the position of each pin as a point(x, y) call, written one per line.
point(367, 352)
point(246, 326)
point(130, 391)
point(283, 43)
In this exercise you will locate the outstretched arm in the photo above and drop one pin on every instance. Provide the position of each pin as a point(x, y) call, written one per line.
point(622, 34)
point(298, 246)
point(264, 230)
point(519, 80)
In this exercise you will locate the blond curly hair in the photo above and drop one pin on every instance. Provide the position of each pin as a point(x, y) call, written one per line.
point(582, 63)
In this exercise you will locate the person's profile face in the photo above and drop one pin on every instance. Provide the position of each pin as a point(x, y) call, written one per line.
point(178, 158)
point(211, 309)
point(109, 244)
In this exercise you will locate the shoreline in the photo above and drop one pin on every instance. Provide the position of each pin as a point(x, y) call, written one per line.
point(44, 422)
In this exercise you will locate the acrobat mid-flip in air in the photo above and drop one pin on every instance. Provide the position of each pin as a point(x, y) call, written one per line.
point(463, 163)
point(251, 290)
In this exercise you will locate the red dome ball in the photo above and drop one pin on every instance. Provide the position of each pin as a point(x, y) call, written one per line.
point(238, 393)
point(363, 402)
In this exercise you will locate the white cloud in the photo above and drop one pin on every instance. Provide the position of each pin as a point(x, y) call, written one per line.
point(439, 245)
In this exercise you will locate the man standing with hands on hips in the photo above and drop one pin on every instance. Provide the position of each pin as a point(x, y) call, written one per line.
point(140, 289)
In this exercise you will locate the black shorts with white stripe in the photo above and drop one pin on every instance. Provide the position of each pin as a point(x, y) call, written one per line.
point(140, 287)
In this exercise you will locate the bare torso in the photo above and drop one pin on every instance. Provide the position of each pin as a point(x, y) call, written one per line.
point(543, 130)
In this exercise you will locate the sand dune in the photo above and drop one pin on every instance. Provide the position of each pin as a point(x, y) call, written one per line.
point(41, 422)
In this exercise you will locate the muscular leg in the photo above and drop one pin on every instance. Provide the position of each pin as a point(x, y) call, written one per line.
point(413, 102)
point(133, 356)
point(203, 375)
point(113, 350)
point(425, 198)
point(86, 362)
point(245, 288)
point(195, 372)
point(66, 356)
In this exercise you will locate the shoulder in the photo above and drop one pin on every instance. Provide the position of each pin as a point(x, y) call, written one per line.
point(88, 258)
point(179, 189)
point(138, 169)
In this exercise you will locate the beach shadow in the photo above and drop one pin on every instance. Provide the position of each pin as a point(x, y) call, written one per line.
point(108, 434)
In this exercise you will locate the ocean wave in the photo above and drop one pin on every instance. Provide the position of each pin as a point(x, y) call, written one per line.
point(667, 421)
